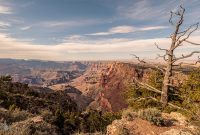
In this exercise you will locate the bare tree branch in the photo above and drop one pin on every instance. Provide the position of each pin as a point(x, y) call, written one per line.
point(142, 98)
point(180, 22)
point(189, 31)
point(183, 33)
point(186, 56)
point(179, 13)
point(138, 58)
point(162, 56)
point(153, 65)
point(160, 48)
point(150, 88)
point(170, 19)
point(175, 106)
point(170, 104)
point(190, 64)
point(191, 42)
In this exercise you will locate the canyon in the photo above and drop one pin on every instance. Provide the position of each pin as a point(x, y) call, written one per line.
point(74, 92)
point(92, 85)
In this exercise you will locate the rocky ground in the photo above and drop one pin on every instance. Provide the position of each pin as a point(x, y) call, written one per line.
point(177, 125)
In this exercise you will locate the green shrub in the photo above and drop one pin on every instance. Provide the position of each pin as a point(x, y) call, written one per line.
point(32, 93)
point(94, 121)
point(138, 97)
point(23, 103)
point(29, 127)
point(129, 114)
point(16, 115)
point(155, 79)
point(152, 115)
point(190, 93)
point(141, 98)
point(59, 120)
point(86, 122)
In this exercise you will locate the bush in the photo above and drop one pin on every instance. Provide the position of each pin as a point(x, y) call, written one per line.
point(59, 120)
point(72, 122)
point(152, 115)
point(62, 113)
point(14, 114)
point(138, 97)
point(28, 127)
point(94, 121)
point(128, 114)
point(190, 93)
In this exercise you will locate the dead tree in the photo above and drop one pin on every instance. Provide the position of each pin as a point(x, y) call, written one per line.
point(178, 38)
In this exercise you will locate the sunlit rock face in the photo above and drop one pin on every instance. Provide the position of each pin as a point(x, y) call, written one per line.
point(106, 84)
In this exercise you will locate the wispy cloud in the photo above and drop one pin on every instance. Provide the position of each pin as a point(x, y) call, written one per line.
point(14, 48)
point(122, 29)
point(5, 10)
point(147, 10)
point(59, 23)
point(73, 38)
point(68, 23)
point(115, 30)
point(126, 29)
point(133, 16)
point(26, 28)
point(152, 28)
point(4, 24)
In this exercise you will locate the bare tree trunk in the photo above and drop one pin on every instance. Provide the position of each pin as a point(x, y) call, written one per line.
point(166, 81)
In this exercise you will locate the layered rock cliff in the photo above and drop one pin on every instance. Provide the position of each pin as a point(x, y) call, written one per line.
point(106, 84)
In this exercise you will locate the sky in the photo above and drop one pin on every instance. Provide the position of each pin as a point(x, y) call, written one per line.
point(63, 30)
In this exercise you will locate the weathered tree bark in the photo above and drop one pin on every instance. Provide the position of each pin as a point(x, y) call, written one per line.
point(169, 64)
point(166, 81)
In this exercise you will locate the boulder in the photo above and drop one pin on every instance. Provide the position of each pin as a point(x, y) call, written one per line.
point(117, 128)
point(181, 120)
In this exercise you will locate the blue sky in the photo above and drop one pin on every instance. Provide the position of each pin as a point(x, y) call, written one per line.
point(88, 29)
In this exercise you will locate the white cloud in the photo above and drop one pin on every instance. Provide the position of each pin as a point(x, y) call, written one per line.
point(152, 28)
point(26, 28)
point(5, 10)
point(4, 24)
point(68, 23)
point(115, 30)
point(13, 48)
point(100, 34)
point(73, 37)
point(122, 29)
point(59, 24)
point(126, 29)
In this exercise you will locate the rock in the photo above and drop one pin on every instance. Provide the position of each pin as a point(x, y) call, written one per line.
point(114, 127)
point(176, 132)
point(37, 119)
point(194, 129)
point(182, 120)
point(117, 128)
point(128, 115)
